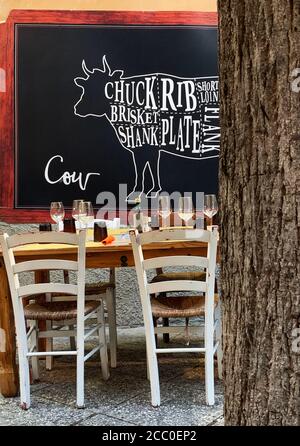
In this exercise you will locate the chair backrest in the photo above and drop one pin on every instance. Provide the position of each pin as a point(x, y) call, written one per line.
point(10, 243)
point(208, 263)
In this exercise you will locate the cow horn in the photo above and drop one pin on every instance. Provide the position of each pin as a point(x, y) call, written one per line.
point(85, 69)
point(106, 67)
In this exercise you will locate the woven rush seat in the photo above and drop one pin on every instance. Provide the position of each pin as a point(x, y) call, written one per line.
point(97, 287)
point(57, 311)
point(179, 306)
point(184, 275)
point(92, 288)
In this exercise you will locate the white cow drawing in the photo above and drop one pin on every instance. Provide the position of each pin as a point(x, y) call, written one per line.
point(153, 113)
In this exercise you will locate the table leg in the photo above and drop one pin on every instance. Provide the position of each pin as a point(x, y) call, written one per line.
point(9, 380)
point(112, 275)
point(112, 319)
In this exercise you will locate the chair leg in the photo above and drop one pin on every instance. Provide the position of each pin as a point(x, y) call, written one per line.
point(102, 341)
point(209, 379)
point(166, 336)
point(49, 347)
point(80, 373)
point(35, 359)
point(155, 325)
point(152, 363)
point(24, 381)
point(154, 377)
point(112, 324)
point(24, 374)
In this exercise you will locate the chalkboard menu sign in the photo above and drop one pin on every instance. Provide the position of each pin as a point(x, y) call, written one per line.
point(99, 104)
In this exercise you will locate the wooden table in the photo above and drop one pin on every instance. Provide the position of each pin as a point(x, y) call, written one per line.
point(118, 254)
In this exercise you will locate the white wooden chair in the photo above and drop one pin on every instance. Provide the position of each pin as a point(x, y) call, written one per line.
point(162, 276)
point(105, 292)
point(180, 305)
point(64, 313)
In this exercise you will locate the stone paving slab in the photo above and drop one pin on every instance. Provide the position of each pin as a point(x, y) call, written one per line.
point(219, 421)
point(124, 399)
point(173, 412)
point(103, 420)
point(42, 413)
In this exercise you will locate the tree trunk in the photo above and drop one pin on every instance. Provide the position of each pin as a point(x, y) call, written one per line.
point(260, 210)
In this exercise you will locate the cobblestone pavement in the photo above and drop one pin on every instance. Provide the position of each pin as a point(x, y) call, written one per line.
point(124, 400)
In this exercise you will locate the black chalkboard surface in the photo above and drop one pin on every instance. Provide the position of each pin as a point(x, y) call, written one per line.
point(99, 106)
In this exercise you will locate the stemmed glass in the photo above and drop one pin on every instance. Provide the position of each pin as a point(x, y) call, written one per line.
point(185, 209)
point(210, 207)
point(85, 213)
point(57, 212)
point(75, 209)
point(164, 209)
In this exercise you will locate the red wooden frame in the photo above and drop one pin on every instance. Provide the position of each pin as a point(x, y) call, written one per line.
point(7, 211)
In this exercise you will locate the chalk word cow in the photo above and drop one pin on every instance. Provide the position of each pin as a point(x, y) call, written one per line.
point(153, 113)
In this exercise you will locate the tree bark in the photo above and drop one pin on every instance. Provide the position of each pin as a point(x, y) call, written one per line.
point(260, 210)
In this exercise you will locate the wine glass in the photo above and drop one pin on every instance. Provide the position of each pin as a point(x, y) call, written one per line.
point(164, 209)
point(185, 209)
point(57, 212)
point(85, 213)
point(210, 207)
point(89, 213)
point(75, 208)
